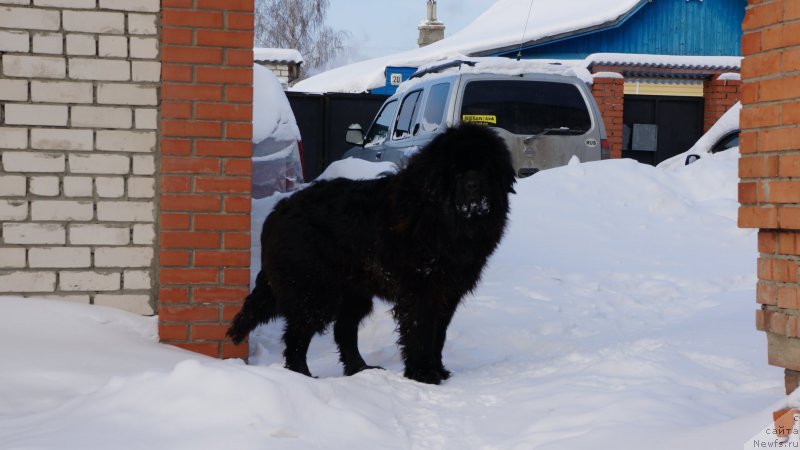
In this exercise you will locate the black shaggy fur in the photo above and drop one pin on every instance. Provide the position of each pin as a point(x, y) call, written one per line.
point(418, 239)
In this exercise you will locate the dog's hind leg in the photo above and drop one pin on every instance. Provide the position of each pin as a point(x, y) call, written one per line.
point(297, 337)
point(258, 308)
point(345, 332)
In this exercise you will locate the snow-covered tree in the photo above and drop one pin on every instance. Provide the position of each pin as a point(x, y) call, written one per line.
point(299, 24)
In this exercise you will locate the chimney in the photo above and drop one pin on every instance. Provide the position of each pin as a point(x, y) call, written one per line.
point(430, 30)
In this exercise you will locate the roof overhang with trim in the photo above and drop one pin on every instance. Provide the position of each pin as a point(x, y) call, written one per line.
point(663, 66)
point(551, 39)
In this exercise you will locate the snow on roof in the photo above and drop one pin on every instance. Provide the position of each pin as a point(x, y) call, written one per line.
point(607, 75)
point(730, 77)
point(500, 26)
point(288, 55)
point(666, 61)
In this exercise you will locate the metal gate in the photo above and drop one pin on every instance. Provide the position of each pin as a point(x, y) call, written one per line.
point(656, 128)
point(323, 120)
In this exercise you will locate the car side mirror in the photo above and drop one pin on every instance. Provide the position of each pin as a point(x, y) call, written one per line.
point(691, 158)
point(354, 135)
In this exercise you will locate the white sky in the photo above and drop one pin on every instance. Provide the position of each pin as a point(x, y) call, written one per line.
point(383, 27)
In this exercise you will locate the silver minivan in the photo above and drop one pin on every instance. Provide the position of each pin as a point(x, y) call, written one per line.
point(545, 119)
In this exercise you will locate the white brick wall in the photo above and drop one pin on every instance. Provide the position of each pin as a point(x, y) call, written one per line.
point(14, 41)
point(61, 257)
point(62, 92)
point(81, 44)
point(62, 139)
point(78, 119)
point(101, 116)
point(13, 138)
point(46, 186)
point(16, 90)
point(29, 18)
point(48, 43)
point(33, 66)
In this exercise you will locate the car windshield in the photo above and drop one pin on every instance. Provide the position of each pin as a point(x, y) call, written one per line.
point(380, 129)
point(729, 141)
point(526, 106)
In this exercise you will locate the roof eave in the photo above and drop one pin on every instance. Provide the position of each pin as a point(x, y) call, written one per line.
point(614, 23)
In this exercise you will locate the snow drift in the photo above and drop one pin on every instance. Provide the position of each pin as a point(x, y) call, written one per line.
point(617, 313)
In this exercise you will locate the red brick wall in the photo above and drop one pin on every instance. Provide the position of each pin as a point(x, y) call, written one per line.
point(769, 191)
point(609, 93)
point(205, 169)
point(718, 97)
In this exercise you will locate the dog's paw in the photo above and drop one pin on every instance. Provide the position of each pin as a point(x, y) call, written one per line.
point(429, 375)
point(444, 372)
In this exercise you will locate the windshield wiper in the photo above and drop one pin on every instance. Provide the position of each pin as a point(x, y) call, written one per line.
point(562, 131)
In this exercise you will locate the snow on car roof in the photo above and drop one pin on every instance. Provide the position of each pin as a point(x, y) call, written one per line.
point(272, 114)
point(505, 66)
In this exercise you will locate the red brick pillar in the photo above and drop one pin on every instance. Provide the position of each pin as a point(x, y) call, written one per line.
point(769, 191)
point(205, 169)
point(608, 90)
point(718, 97)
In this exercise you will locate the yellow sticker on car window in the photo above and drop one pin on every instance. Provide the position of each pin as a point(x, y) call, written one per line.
point(484, 119)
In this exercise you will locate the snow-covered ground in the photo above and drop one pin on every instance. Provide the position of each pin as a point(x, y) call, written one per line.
point(617, 313)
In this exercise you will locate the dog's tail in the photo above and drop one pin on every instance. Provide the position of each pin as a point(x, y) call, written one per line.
point(258, 308)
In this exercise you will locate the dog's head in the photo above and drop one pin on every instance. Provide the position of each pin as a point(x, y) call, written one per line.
point(467, 170)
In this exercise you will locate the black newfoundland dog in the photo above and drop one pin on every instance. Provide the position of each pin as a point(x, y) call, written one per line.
point(418, 239)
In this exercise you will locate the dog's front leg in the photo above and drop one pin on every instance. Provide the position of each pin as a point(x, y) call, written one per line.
point(417, 325)
point(441, 335)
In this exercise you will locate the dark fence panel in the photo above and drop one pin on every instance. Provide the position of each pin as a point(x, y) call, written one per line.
point(678, 121)
point(309, 111)
point(323, 120)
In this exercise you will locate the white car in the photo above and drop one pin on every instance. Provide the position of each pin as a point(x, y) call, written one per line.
point(723, 135)
point(277, 146)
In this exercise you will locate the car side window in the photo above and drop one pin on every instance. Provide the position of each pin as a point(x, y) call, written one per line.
point(380, 129)
point(402, 128)
point(729, 141)
point(433, 116)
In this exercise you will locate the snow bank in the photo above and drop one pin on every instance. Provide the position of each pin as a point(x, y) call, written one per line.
point(53, 351)
point(357, 169)
point(272, 114)
point(617, 313)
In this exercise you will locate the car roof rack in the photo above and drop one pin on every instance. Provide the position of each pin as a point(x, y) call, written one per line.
point(448, 65)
